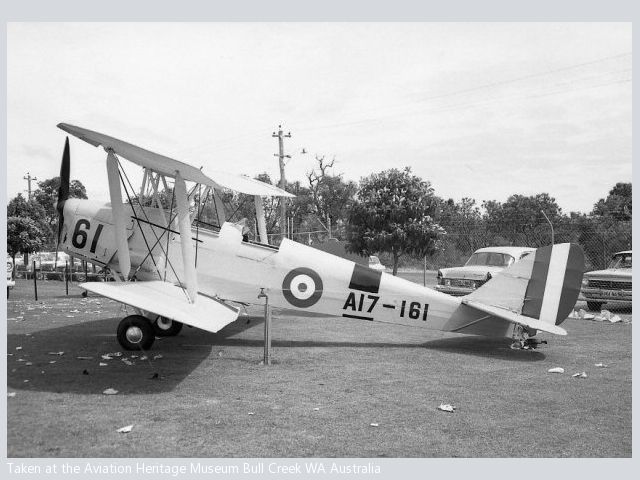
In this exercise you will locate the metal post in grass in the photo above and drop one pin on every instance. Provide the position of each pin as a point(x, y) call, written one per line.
point(424, 272)
point(267, 327)
point(66, 276)
point(85, 271)
point(35, 281)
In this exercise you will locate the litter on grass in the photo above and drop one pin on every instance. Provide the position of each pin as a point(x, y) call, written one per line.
point(607, 316)
point(251, 413)
point(581, 314)
point(110, 391)
point(11, 394)
point(155, 357)
point(56, 353)
point(102, 364)
point(316, 409)
point(600, 365)
point(126, 429)
point(580, 375)
point(445, 407)
point(556, 370)
point(374, 424)
point(18, 348)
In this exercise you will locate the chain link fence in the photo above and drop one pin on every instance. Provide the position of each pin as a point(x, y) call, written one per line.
point(599, 241)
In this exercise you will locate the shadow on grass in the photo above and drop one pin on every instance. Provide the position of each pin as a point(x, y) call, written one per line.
point(484, 347)
point(463, 344)
point(66, 373)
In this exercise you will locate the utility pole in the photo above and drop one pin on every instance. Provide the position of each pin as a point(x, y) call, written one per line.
point(29, 179)
point(281, 156)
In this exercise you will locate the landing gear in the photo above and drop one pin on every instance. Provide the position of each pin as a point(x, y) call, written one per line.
point(523, 339)
point(165, 327)
point(135, 332)
point(594, 306)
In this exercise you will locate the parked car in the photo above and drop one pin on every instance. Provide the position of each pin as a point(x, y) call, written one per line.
point(610, 284)
point(374, 263)
point(46, 261)
point(481, 266)
point(10, 275)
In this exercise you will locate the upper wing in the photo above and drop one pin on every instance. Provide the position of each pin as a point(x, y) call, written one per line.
point(168, 166)
point(169, 301)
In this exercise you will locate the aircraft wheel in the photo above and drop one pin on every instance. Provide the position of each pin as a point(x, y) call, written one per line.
point(594, 306)
point(135, 332)
point(165, 327)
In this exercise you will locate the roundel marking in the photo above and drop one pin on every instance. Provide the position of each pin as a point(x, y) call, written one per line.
point(302, 287)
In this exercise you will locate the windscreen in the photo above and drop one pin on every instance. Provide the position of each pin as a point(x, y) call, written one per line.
point(490, 259)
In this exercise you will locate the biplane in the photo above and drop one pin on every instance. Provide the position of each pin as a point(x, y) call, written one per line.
point(172, 269)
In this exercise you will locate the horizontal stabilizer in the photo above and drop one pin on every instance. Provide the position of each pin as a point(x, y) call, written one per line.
point(515, 318)
point(169, 301)
point(168, 166)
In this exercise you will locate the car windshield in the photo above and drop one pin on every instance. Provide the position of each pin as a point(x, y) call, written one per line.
point(490, 259)
point(622, 260)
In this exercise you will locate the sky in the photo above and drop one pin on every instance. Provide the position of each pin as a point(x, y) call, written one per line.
point(481, 110)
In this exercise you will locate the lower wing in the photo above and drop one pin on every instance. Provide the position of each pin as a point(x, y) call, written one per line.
point(169, 301)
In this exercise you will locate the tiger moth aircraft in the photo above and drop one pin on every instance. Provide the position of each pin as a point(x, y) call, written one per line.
point(174, 269)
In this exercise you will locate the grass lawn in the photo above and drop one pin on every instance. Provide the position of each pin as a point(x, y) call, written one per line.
point(331, 379)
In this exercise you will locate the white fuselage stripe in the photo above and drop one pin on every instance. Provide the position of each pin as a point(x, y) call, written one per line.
point(555, 281)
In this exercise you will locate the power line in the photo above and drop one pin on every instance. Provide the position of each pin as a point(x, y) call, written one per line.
point(471, 90)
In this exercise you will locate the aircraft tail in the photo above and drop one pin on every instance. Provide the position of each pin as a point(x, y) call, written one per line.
point(537, 292)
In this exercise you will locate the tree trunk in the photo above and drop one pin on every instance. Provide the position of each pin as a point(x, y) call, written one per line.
point(396, 258)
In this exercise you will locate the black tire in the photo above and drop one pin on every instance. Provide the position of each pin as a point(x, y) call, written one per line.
point(135, 332)
point(594, 306)
point(163, 327)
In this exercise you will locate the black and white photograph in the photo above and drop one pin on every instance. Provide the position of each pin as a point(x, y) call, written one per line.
point(353, 241)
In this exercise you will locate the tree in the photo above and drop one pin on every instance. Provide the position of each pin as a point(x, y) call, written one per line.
point(617, 205)
point(331, 195)
point(520, 221)
point(394, 212)
point(20, 207)
point(47, 195)
point(24, 236)
point(465, 230)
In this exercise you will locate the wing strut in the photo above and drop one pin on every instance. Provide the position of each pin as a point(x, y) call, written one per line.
point(117, 208)
point(184, 222)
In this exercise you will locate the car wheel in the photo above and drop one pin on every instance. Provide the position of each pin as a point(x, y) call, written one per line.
point(594, 306)
point(135, 332)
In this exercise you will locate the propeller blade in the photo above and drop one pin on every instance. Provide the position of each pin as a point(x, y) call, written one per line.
point(63, 190)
